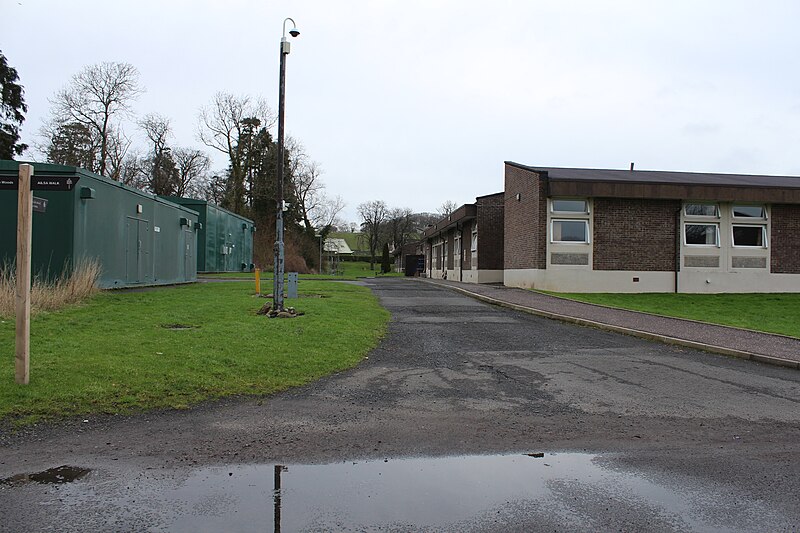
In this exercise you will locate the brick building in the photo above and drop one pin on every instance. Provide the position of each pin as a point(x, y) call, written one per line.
point(588, 230)
point(467, 245)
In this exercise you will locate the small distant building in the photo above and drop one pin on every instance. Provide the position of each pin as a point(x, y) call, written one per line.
point(410, 259)
point(335, 249)
point(467, 245)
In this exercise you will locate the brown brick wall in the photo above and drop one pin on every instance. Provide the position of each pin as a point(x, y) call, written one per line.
point(633, 234)
point(490, 231)
point(525, 241)
point(785, 239)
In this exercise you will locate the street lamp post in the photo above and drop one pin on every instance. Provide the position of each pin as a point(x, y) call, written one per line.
point(277, 286)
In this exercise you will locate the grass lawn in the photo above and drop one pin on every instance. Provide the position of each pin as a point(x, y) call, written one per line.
point(115, 354)
point(351, 270)
point(774, 313)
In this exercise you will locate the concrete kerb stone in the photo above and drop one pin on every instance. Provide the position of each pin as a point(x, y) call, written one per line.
point(711, 348)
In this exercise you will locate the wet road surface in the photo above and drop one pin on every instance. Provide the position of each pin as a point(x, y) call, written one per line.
point(467, 417)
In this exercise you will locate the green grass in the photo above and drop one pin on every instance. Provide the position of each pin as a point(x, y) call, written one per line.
point(350, 270)
point(773, 313)
point(356, 241)
point(113, 355)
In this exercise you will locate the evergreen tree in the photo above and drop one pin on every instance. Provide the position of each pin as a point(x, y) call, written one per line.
point(386, 262)
point(12, 107)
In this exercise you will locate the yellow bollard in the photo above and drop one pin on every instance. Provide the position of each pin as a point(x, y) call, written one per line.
point(258, 281)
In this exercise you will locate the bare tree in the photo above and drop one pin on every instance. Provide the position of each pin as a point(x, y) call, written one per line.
point(160, 166)
point(118, 145)
point(399, 226)
point(447, 208)
point(193, 168)
point(373, 214)
point(158, 130)
point(93, 98)
point(222, 125)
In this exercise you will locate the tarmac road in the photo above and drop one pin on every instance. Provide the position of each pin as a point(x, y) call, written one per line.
point(635, 436)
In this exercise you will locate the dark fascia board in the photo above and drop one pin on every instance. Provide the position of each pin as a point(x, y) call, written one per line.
point(462, 214)
point(501, 193)
point(601, 183)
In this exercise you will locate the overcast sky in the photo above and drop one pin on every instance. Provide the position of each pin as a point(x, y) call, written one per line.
point(418, 102)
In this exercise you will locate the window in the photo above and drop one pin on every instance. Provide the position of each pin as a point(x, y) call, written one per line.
point(475, 238)
point(702, 234)
point(457, 245)
point(570, 231)
point(749, 236)
point(702, 210)
point(569, 206)
point(749, 211)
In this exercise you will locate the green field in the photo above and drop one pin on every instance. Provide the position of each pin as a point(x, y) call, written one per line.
point(172, 347)
point(773, 313)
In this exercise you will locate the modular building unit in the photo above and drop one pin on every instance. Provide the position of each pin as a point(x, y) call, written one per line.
point(138, 238)
point(225, 239)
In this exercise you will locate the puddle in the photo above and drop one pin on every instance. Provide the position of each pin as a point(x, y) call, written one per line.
point(52, 476)
point(476, 493)
point(533, 491)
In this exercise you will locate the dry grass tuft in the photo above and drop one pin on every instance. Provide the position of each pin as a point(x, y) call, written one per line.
point(71, 287)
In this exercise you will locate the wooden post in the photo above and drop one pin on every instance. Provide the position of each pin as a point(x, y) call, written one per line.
point(23, 279)
point(258, 281)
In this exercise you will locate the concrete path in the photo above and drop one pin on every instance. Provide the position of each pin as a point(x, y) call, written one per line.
point(747, 344)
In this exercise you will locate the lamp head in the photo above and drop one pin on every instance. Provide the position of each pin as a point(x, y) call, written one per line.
point(294, 32)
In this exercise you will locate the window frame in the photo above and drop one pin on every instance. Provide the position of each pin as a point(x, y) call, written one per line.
point(764, 242)
point(715, 216)
point(763, 207)
point(553, 210)
point(715, 225)
point(587, 238)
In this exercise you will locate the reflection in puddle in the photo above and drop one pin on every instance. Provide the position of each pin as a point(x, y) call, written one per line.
point(52, 476)
point(478, 493)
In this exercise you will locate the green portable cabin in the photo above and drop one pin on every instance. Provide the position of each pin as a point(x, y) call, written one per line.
point(138, 238)
point(225, 239)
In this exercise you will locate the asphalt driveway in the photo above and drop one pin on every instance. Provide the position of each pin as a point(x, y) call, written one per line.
point(454, 377)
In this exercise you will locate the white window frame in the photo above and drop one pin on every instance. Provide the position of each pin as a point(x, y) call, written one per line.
point(584, 212)
point(587, 240)
point(752, 246)
point(705, 217)
point(754, 219)
point(699, 223)
point(474, 242)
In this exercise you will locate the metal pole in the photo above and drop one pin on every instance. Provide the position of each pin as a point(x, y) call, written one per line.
point(277, 291)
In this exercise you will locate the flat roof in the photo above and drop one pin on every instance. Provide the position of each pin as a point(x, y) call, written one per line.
point(663, 176)
point(660, 184)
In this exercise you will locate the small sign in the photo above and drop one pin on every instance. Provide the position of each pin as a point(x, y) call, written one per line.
point(9, 183)
point(39, 204)
point(157, 229)
point(53, 183)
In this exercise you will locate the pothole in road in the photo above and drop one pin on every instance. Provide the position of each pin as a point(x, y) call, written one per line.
point(51, 476)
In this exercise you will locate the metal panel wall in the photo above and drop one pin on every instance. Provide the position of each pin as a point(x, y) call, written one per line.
point(138, 238)
point(225, 242)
